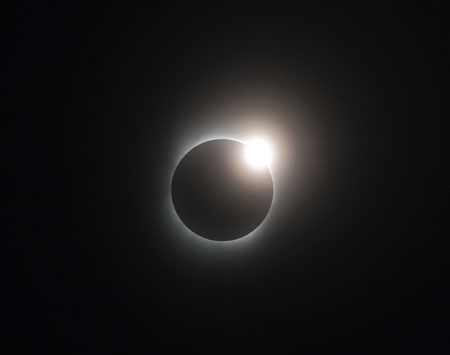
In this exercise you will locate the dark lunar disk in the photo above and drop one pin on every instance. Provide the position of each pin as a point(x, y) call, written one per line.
point(217, 194)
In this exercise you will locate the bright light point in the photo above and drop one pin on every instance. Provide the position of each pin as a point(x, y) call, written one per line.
point(258, 153)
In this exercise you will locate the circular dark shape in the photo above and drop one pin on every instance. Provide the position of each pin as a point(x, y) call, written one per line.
point(217, 194)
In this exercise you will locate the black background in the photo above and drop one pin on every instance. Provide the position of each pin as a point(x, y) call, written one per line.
point(91, 92)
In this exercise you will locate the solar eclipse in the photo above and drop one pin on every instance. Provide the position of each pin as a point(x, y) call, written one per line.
point(275, 137)
point(222, 189)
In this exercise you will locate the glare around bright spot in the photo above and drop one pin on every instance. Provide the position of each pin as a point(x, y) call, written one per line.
point(258, 153)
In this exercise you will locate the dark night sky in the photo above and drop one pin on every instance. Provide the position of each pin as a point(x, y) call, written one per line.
point(94, 94)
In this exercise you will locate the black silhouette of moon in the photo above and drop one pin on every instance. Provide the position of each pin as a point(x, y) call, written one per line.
point(217, 194)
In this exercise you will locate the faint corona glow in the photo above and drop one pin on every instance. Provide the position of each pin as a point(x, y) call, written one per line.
point(282, 124)
point(258, 153)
